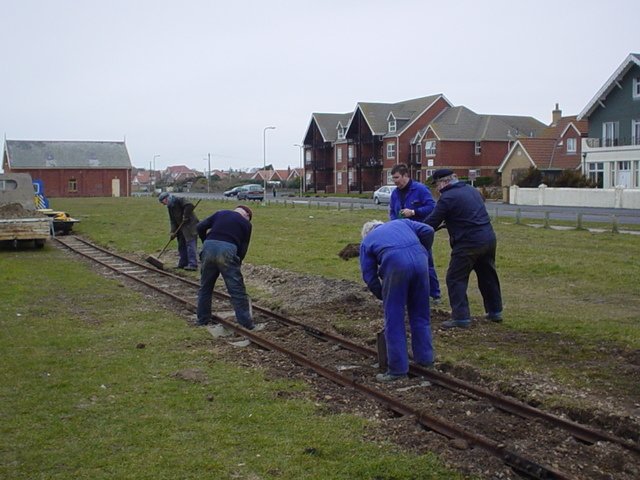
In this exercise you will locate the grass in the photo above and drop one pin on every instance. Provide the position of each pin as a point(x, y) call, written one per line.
point(80, 398)
point(571, 302)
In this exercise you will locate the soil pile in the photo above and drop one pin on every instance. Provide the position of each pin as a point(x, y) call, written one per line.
point(16, 210)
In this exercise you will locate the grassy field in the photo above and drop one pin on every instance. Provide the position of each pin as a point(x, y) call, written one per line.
point(97, 382)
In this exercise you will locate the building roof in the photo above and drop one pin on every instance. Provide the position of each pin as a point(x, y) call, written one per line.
point(66, 154)
point(327, 124)
point(377, 114)
point(462, 124)
point(631, 60)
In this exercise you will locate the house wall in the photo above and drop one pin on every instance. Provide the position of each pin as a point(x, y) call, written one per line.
point(573, 197)
point(90, 183)
point(492, 154)
point(518, 160)
point(620, 107)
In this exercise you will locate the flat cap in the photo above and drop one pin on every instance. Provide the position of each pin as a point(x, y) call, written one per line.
point(441, 173)
point(162, 196)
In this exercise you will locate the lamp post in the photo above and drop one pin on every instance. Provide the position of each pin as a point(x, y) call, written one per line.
point(301, 169)
point(584, 164)
point(264, 159)
point(153, 183)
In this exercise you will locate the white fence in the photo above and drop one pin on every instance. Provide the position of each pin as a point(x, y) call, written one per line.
point(618, 197)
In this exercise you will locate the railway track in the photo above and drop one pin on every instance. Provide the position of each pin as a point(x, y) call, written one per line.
point(463, 408)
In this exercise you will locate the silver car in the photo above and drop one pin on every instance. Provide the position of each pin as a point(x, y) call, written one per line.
point(383, 194)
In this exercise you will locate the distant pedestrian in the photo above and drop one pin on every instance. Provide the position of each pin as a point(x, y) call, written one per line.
point(473, 247)
point(394, 264)
point(225, 239)
point(183, 227)
point(414, 201)
point(274, 191)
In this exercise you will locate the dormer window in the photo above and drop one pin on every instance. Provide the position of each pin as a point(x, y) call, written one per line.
point(571, 145)
point(392, 125)
point(478, 148)
point(341, 132)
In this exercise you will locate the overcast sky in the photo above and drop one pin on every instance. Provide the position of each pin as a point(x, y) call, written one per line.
point(184, 79)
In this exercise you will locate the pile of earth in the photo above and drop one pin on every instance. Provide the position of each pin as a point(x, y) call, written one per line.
point(16, 210)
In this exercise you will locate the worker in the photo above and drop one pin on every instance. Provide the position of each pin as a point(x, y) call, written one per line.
point(414, 201)
point(473, 247)
point(394, 264)
point(225, 239)
point(183, 227)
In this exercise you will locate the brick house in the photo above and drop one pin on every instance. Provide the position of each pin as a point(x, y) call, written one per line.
point(72, 168)
point(558, 147)
point(471, 144)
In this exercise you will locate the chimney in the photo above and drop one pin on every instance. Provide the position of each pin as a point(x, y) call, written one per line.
point(556, 115)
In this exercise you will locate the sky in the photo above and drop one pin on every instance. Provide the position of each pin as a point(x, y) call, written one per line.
point(196, 82)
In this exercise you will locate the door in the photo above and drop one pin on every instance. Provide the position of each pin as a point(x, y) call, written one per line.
point(115, 187)
point(624, 174)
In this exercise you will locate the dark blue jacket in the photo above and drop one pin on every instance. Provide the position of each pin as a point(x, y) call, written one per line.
point(462, 209)
point(415, 196)
point(390, 246)
point(227, 226)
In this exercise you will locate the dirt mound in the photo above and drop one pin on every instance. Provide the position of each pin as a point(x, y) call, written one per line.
point(16, 210)
point(350, 251)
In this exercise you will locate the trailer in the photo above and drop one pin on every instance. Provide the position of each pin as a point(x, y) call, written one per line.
point(19, 219)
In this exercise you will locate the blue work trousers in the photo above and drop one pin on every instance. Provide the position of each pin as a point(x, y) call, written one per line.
point(187, 252)
point(405, 285)
point(220, 258)
point(482, 260)
point(434, 284)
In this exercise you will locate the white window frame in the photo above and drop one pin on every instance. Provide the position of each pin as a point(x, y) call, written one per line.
point(350, 152)
point(636, 88)
point(572, 145)
point(610, 134)
point(594, 169)
point(430, 147)
point(339, 178)
point(339, 154)
point(341, 133)
point(391, 150)
point(307, 156)
point(392, 125)
point(477, 148)
point(635, 132)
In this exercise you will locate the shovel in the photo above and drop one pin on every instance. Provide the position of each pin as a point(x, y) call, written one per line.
point(155, 261)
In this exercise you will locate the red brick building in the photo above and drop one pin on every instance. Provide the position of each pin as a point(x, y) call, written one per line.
point(72, 169)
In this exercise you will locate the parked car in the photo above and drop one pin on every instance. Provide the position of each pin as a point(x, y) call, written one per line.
point(383, 194)
point(233, 192)
point(251, 192)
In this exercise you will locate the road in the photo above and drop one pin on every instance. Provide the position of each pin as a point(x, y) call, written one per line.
point(624, 216)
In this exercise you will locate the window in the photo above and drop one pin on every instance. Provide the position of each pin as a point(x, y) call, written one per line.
point(340, 132)
point(351, 155)
point(430, 147)
point(339, 178)
point(610, 134)
point(339, 154)
point(391, 150)
point(571, 145)
point(478, 148)
point(418, 153)
point(392, 125)
point(635, 132)
point(307, 156)
point(73, 185)
point(636, 88)
point(596, 173)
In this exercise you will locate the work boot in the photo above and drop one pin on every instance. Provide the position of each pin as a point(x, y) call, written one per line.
point(389, 377)
point(466, 323)
point(494, 317)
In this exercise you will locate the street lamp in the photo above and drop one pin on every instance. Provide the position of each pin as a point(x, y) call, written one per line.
point(264, 159)
point(153, 183)
point(301, 169)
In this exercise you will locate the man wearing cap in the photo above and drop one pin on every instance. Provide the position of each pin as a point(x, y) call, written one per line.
point(414, 201)
point(394, 265)
point(225, 239)
point(473, 247)
point(183, 227)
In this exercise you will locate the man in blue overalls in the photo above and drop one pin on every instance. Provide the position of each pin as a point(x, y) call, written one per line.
point(394, 260)
point(414, 201)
